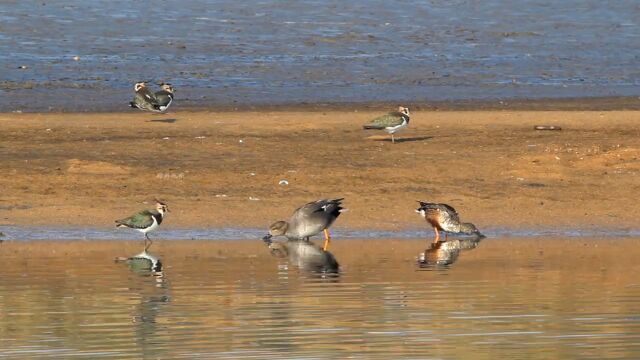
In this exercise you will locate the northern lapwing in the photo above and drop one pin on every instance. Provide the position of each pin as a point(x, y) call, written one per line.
point(308, 220)
point(164, 97)
point(144, 98)
point(391, 122)
point(145, 221)
point(443, 217)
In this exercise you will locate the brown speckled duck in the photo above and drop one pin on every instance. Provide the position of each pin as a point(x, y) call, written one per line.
point(443, 217)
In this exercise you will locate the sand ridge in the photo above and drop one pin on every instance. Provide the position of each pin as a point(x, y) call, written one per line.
point(225, 168)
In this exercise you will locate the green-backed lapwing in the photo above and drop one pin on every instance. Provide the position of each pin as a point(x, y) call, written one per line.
point(164, 97)
point(391, 122)
point(145, 221)
point(144, 98)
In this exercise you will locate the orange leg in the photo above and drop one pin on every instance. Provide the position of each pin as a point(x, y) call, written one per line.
point(437, 235)
point(327, 240)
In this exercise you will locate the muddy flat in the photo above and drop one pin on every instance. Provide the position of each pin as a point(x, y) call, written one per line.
point(218, 169)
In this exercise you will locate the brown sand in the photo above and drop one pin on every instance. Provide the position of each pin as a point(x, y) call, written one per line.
point(223, 168)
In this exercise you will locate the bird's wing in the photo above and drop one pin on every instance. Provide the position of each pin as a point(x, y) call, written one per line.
point(389, 120)
point(324, 210)
point(140, 220)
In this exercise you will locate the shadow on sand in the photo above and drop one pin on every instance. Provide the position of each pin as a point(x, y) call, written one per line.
point(166, 121)
point(407, 139)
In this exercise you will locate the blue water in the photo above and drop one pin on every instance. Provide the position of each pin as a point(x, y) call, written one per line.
point(284, 52)
point(80, 233)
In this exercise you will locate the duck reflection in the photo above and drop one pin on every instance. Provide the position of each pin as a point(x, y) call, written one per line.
point(305, 255)
point(445, 253)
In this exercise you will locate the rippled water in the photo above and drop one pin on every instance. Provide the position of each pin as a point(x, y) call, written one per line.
point(272, 52)
point(507, 298)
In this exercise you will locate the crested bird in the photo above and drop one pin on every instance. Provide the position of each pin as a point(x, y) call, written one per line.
point(443, 217)
point(144, 98)
point(391, 122)
point(145, 221)
point(308, 220)
point(164, 97)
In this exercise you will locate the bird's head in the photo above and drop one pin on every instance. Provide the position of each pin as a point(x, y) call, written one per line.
point(403, 110)
point(278, 228)
point(470, 229)
point(161, 207)
point(140, 85)
point(421, 209)
point(167, 87)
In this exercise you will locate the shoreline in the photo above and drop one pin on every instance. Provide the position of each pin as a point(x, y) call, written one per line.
point(613, 103)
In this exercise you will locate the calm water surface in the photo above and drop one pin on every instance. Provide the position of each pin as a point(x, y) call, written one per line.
point(508, 298)
point(273, 52)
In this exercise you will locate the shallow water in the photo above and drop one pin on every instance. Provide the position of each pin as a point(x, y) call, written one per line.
point(508, 298)
point(272, 52)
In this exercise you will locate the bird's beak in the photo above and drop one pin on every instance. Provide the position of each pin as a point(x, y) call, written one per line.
point(267, 238)
point(481, 236)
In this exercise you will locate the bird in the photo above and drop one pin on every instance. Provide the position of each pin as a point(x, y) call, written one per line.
point(145, 221)
point(391, 122)
point(305, 255)
point(164, 97)
point(445, 218)
point(144, 98)
point(308, 220)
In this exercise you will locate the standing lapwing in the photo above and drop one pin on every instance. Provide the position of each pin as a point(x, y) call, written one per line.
point(445, 218)
point(144, 98)
point(391, 122)
point(164, 97)
point(308, 220)
point(145, 221)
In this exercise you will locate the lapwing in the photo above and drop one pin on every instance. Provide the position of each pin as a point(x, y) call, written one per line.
point(145, 221)
point(308, 220)
point(144, 98)
point(164, 97)
point(391, 122)
point(445, 218)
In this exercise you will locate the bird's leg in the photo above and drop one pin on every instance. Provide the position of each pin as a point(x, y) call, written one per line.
point(393, 140)
point(446, 236)
point(437, 238)
point(146, 237)
point(327, 240)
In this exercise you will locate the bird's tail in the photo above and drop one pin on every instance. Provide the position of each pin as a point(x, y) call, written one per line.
point(133, 105)
point(372, 127)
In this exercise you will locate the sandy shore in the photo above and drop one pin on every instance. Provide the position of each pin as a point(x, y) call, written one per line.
point(224, 168)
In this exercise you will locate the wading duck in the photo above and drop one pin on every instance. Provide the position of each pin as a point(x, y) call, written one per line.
point(443, 217)
point(308, 220)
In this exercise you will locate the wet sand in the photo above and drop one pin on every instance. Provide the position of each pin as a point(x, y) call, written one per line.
point(218, 169)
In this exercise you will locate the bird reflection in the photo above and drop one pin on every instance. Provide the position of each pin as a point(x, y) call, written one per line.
point(445, 253)
point(305, 255)
point(144, 263)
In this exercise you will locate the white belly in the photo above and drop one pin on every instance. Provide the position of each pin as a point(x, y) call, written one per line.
point(394, 129)
point(150, 228)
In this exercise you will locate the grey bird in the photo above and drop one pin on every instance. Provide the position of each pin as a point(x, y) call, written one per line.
point(391, 122)
point(145, 221)
point(305, 255)
point(443, 217)
point(144, 98)
point(308, 220)
point(164, 97)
